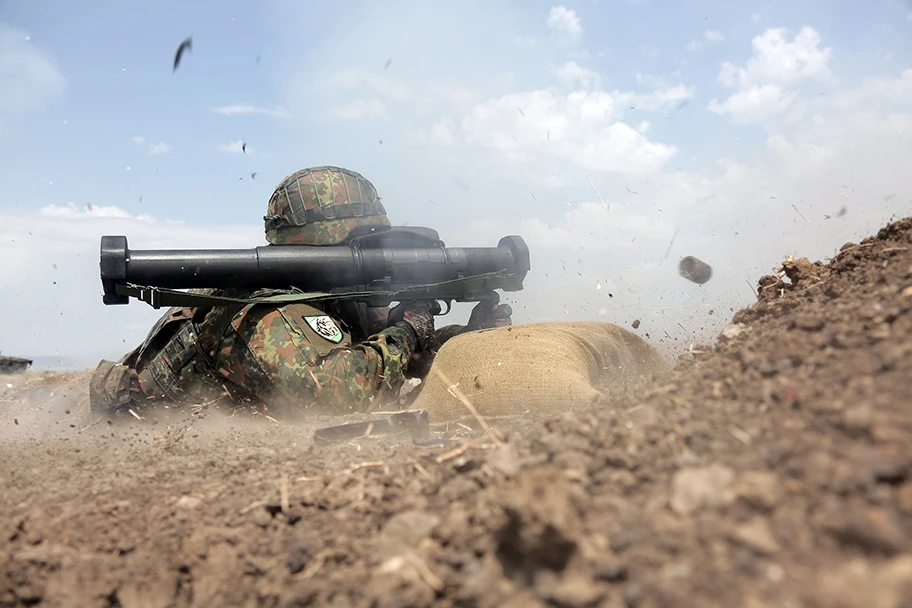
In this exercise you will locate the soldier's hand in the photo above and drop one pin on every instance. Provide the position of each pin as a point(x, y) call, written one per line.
point(419, 317)
point(490, 313)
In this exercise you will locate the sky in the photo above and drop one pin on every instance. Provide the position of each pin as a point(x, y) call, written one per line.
point(614, 136)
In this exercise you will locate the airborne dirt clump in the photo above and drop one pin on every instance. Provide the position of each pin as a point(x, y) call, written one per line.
point(772, 469)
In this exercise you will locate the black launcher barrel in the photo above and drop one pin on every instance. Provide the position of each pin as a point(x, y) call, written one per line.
point(311, 268)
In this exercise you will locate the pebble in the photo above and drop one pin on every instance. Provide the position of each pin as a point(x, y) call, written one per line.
point(757, 536)
point(808, 322)
point(404, 531)
point(758, 488)
point(732, 331)
point(696, 488)
point(187, 502)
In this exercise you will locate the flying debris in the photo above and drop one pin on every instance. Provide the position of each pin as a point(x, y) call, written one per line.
point(636, 324)
point(253, 175)
point(244, 147)
point(186, 45)
point(387, 65)
point(258, 58)
point(695, 270)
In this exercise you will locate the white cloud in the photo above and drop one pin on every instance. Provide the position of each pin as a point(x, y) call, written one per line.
point(713, 36)
point(778, 61)
point(29, 77)
point(362, 109)
point(540, 124)
point(565, 20)
point(154, 148)
point(754, 104)
point(763, 83)
point(573, 74)
point(235, 146)
point(90, 211)
point(52, 255)
point(242, 109)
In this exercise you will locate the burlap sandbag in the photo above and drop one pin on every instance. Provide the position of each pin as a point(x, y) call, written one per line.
point(539, 367)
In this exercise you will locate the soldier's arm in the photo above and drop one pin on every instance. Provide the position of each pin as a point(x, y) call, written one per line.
point(343, 380)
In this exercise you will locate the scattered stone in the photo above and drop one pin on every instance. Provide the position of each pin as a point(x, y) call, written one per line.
point(636, 324)
point(404, 531)
point(862, 584)
point(808, 322)
point(732, 331)
point(757, 536)
point(577, 590)
point(758, 488)
point(696, 488)
point(187, 502)
point(299, 551)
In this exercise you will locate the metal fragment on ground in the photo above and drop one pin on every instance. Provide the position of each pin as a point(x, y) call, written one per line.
point(416, 423)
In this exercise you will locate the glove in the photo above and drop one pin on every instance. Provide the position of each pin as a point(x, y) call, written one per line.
point(490, 313)
point(418, 323)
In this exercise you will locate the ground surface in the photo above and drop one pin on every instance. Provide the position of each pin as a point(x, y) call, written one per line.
point(771, 470)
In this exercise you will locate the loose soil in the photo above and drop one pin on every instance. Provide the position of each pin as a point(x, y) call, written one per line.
point(770, 469)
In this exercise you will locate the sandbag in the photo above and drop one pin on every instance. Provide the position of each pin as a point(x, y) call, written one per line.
point(537, 367)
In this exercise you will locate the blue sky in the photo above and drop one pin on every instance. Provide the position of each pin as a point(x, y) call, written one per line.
point(610, 134)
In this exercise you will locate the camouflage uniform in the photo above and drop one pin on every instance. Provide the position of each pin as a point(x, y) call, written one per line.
point(295, 355)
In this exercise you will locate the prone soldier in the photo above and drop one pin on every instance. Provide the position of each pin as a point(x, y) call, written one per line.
point(338, 356)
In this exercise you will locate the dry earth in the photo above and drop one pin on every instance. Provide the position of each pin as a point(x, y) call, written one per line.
point(772, 469)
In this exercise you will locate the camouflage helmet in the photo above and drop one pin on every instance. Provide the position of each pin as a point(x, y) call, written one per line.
point(321, 206)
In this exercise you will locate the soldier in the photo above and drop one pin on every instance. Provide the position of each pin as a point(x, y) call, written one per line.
point(334, 357)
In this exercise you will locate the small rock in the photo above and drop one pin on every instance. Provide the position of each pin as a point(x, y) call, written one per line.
point(757, 536)
point(636, 324)
point(576, 589)
point(261, 517)
point(695, 488)
point(732, 331)
point(808, 322)
point(904, 498)
point(404, 531)
point(872, 529)
point(187, 502)
point(857, 419)
point(299, 553)
point(863, 584)
point(758, 488)
point(505, 460)
point(609, 568)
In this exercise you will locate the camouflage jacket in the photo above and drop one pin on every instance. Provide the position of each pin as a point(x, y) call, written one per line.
point(291, 357)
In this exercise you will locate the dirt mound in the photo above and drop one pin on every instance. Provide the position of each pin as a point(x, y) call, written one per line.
point(772, 469)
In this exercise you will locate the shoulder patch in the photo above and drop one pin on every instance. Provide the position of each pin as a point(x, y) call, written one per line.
point(325, 327)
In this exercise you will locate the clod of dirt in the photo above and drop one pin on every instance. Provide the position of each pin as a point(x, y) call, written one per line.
point(802, 272)
point(695, 270)
point(541, 528)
